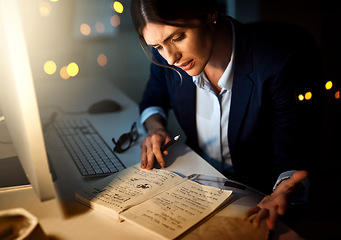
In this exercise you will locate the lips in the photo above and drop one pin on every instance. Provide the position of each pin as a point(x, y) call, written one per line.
point(186, 66)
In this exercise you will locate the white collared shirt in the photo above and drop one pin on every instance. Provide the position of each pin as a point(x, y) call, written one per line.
point(213, 116)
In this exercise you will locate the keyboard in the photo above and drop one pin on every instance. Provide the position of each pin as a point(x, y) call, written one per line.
point(91, 154)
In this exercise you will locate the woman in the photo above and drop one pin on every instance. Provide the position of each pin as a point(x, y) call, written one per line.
point(233, 89)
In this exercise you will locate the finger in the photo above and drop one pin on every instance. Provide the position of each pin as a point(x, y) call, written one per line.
point(147, 156)
point(165, 152)
point(158, 156)
point(150, 159)
point(261, 215)
point(271, 224)
point(250, 212)
point(281, 206)
point(299, 176)
point(156, 142)
point(272, 219)
point(167, 139)
point(143, 155)
point(143, 159)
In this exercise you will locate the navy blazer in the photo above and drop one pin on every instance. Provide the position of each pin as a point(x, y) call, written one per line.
point(268, 128)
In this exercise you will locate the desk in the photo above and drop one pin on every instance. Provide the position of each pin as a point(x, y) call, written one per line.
point(63, 217)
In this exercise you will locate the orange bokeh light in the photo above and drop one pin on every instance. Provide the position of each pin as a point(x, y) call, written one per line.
point(85, 29)
point(115, 20)
point(102, 60)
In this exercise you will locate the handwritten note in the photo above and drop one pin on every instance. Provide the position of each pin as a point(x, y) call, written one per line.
point(158, 200)
point(174, 211)
point(132, 185)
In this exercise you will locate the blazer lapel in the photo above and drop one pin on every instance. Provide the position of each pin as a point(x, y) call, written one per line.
point(242, 84)
point(186, 97)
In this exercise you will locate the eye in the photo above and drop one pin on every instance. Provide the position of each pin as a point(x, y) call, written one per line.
point(157, 47)
point(179, 38)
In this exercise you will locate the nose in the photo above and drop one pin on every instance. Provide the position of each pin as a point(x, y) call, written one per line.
point(172, 55)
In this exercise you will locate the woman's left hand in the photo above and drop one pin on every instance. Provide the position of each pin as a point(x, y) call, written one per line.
point(275, 205)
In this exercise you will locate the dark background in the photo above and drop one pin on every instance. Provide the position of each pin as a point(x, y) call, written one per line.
point(323, 20)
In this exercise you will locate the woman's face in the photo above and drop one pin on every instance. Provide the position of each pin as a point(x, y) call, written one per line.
point(187, 48)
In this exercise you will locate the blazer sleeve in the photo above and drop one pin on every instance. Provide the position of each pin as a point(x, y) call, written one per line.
point(156, 92)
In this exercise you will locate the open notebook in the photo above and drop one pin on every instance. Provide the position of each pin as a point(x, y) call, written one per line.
point(158, 200)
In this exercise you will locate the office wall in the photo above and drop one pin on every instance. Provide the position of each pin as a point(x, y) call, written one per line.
point(52, 35)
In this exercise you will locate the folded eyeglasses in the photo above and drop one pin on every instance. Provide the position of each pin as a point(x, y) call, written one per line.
point(125, 140)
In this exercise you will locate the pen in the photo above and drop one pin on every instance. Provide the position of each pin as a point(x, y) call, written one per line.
point(164, 147)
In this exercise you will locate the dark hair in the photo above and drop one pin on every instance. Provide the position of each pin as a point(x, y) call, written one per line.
point(180, 13)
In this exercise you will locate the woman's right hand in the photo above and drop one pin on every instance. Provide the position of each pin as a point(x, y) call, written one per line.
point(150, 146)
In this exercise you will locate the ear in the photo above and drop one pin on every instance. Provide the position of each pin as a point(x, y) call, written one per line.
point(213, 17)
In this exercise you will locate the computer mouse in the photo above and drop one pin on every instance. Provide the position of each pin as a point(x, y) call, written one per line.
point(104, 106)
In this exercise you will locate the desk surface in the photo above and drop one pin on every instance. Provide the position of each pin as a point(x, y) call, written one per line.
point(63, 217)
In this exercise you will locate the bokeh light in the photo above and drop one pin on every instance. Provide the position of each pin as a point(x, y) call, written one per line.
point(337, 95)
point(118, 7)
point(50, 67)
point(63, 73)
point(329, 85)
point(85, 29)
point(102, 60)
point(308, 95)
point(72, 69)
point(115, 20)
point(45, 9)
point(301, 97)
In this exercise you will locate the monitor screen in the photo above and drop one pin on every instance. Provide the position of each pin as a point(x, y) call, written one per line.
point(19, 103)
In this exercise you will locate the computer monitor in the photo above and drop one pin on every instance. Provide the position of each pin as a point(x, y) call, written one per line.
point(19, 103)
